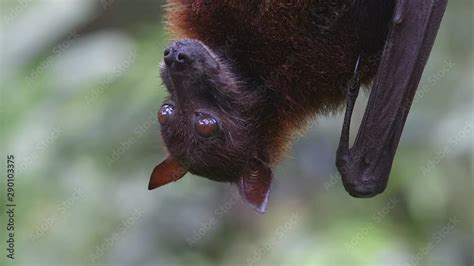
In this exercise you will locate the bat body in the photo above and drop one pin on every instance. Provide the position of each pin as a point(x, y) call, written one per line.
point(300, 56)
point(246, 76)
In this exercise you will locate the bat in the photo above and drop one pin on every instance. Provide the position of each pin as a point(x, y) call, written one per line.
point(245, 77)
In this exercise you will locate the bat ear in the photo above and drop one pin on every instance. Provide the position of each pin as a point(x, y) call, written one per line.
point(254, 185)
point(170, 170)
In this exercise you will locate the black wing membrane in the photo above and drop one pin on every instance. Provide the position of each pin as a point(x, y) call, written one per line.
point(365, 167)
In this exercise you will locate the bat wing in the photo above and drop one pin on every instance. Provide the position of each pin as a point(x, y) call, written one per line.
point(366, 166)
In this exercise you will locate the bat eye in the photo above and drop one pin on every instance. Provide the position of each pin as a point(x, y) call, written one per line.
point(206, 126)
point(165, 114)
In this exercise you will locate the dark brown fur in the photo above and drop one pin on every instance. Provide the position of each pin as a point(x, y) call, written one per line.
point(299, 54)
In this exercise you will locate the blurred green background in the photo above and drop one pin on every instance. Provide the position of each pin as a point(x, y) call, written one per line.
point(80, 89)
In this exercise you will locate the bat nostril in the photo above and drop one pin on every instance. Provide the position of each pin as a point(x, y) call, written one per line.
point(168, 54)
point(182, 58)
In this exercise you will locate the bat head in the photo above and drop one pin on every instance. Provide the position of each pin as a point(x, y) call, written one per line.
point(209, 124)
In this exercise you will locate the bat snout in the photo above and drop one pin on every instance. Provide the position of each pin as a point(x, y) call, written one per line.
point(177, 58)
point(189, 56)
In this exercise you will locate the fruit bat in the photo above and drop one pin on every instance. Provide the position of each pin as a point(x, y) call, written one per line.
point(245, 77)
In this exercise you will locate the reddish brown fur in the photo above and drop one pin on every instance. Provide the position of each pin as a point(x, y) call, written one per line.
point(301, 54)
